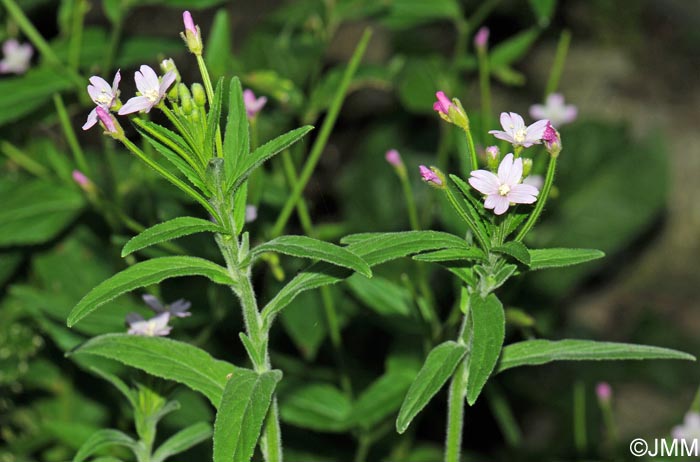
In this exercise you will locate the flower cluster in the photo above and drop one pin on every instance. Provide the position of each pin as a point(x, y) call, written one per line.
point(16, 57)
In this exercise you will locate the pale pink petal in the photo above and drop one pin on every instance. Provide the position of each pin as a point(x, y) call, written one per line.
point(506, 121)
point(168, 80)
point(136, 104)
point(515, 174)
point(536, 130)
point(692, 419)
point(485, 182)
point(534, 180)
point(523, 194)
point(678, 432)
point(491, 201)
point(150, 77)
point(10, 46)
point(501, 204)
point(502, 135)
point(504, 169)
point(555, 100)
point(115, 82)
point(99, 84)
point(570, 114)
point(91, 120)
point(516, 121)
point(538, 111)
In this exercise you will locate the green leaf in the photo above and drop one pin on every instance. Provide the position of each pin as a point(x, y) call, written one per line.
point(437, 369)
point(514, 48)
point(453, 254)
point(557, 258)
point(182, 441)
point(102, 439)
point(22, 95)
point(373, 248)
point(382, 295)
point(488, 332)
point(418, 81)
point(245, 166)
point(316, 406)
point(536, 352)
point(404, 14)
point(543, 9)
point(171, 229)
point(306, 247)
point(165, 358)
point(243, 408)
point(237, 135)
point(213, 119)
point(144, 274)
point(516, 250)
point(217, 53)
point(35, 211)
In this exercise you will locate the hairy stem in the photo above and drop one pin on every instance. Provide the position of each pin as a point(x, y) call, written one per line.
point(541, 200)
point(455, 404)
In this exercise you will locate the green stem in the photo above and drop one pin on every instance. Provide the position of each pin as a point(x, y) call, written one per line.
point(210, 96)
point(324, 133)
point(455, 404)
point(465, 216)
point(558, 65)
point(485, 88)
point(363, 445)
point(23, 160)
point(114, 38)
point(472, 150)
point(541, 200)
point(336, 338)
point(76, 38)
point(271, 439)
point(410, 201)
point(69, 133)
point(504, 415)
point(302, 209)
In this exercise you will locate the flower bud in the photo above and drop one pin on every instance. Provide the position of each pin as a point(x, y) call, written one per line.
point(552, 140)
point(192, 35)
point(432, 176)
point(493, 157)
point(251, 213)
point(196, 115)
point(481, 39)
point(185, 99)
point(451, 110)
point(604, 392)
point(527, 166)
point(198, 94)
point(168, 65)
point(83, 181)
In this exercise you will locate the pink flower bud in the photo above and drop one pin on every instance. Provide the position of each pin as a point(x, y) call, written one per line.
point(552, 140)
point(106, 119)
point(603, 391)
point(481, 39)
point(393, 157)
point(80, 178)
point(442, 104)
point(429, 175)
point(189, 22)
point(492, 152)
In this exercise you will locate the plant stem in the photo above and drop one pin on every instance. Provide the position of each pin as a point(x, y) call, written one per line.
point(485, 89)
point(76, 38)
point(324, 133)
point(363, 445)
point(558, 65)
point(292, 179)
point(23, 160)
point(472, 150)
point(410, 201)
point(69, 133)
point(455, 403)
point(504, 415)
point(114, 37)
point(210, 96)
point(541, 200)
point(580, 439)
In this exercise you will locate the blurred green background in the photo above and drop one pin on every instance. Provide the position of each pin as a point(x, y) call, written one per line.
point(627, 185)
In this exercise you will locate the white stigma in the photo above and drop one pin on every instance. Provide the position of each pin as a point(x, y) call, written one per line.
point(503, 190)
point(152, 95)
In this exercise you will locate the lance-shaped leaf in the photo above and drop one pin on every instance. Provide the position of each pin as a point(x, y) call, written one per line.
point(516, 250)
point(373, 248)
point(102, 439)
point(306, 247)
point(250, 162)
point(144, 274)
point(453, 254)
point(182, 441)
point(536, 352)
point(557, 258)
point(437, 369)
point(237, 136)
point(243, 408)
point(166, 231)
point(165, 358)
point(317, 406)
point(488, 332)
point(382, 398)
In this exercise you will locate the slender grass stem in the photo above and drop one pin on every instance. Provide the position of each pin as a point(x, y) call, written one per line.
point(76, 38)
point(485, 89)
point(558, 65)
point(23, 160)
point(324, 134)
point(69, 133)
point(580, 437)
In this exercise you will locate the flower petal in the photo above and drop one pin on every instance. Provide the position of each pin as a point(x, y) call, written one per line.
point(91, 120)
point(167, 81)
point(501, 204)
point(523, 194)
point(136, 104)
point(536, 130)
point(484, 181)
point(538, 111)
point(502, 135)
point(99, 84)
point(150, 77)
point(115, 82)
point(504, 169)
point(516, 121)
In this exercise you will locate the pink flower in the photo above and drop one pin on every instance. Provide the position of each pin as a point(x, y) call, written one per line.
point(151, 88)
point(690, 430)
point(430, 176)
point(481, 39)
point(189, 23)
point(552, 140)
point(102, 95)
point(157, 326)
point(503, 189)
point(16, 57)
point(492, 152)
point(178, 309)
point(603, 391)
point(251, 213)
point(253, 105)
point(534, 180)
point(516, 133)
point(555, 110)
point(443, 103)
point(393, 157)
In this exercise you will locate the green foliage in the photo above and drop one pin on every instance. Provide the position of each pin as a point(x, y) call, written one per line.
point(316, 406)
point(103, 439)
point(557, 258)
point(171, 229)
point(182, 441)
point(488, 332)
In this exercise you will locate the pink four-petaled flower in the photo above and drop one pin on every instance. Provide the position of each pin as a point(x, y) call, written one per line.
point(253, 105)
point(16, 57)
point(516, 133)
point(555, 110)
point(103, 95)
point(505, 188)
point(689, 430)
point(151, 88)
